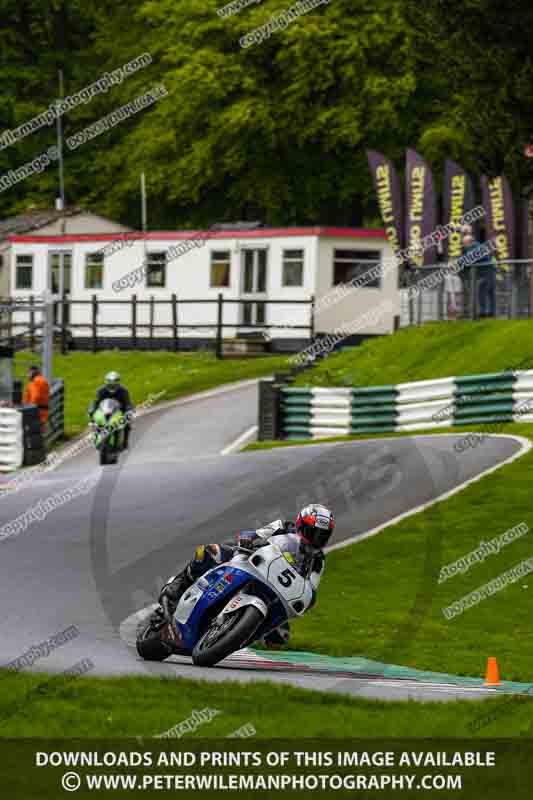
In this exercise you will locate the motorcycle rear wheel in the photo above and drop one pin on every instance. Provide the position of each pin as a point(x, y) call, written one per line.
point(219, 641)
point(149, 644)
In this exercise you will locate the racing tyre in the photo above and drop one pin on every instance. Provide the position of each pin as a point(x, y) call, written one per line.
point(149, 644)
point(104, 455)
point(222, 639)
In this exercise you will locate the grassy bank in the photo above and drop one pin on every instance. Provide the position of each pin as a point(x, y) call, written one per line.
point(434, 350)
point(37, 705)
point(144, 373)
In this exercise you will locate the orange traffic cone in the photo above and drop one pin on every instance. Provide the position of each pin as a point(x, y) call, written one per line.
point(492, 677)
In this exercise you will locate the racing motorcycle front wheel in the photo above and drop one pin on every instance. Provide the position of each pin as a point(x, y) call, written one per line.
point(105, 455)
point(226, 637)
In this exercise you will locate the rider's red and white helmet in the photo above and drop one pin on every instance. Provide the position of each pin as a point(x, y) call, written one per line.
point(315, 524)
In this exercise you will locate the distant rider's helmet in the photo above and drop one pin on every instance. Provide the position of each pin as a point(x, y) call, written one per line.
point(315, 524)
point(112, 381)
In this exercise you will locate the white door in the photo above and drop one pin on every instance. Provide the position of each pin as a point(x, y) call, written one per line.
point(254, 286)
point(60, 270)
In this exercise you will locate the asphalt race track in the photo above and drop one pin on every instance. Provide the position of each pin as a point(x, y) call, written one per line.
point(101, 557)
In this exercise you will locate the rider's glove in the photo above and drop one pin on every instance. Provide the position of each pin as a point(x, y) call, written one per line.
point(247, 539)
point(289, 526)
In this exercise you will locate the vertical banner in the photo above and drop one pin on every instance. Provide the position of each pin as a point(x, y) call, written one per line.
point(458, 199)
point(499, 215)
point(387, 186)
point(421, 217)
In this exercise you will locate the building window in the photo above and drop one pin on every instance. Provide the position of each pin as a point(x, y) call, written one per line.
point(94, 270)
point(156, 270)
point(348, 265)
point(220, 269)
point(24, 272)
point(293, 268)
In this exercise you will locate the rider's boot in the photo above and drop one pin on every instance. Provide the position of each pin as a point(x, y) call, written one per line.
point(205, 558)
point(278, 637)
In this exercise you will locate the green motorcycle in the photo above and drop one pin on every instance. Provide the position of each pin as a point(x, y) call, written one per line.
point(108, 422)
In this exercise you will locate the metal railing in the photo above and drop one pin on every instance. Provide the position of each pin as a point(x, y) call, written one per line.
point(474, 293)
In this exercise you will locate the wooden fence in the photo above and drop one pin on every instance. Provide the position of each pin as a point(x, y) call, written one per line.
point(29, 330)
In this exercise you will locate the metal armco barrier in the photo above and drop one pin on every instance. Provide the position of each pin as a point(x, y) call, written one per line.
point(268, 426)
point(34, 446)
point(315, 412)
point(11, 440)
point(56, 411)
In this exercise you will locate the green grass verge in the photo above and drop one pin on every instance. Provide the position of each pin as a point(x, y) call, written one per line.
point(144, 373)
point(434, 350)
point(44, 706)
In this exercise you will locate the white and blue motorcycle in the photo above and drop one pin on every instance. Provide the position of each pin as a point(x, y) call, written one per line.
point(230, 607)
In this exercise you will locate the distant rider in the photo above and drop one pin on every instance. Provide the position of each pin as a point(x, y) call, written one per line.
point(114, 390)
point(304, 540)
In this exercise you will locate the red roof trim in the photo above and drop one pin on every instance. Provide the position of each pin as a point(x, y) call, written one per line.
point(354, 233)
point(260, 233)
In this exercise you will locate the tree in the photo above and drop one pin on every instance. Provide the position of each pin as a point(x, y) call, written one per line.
point(39, 37)
point(276, 131)
point(484, 48)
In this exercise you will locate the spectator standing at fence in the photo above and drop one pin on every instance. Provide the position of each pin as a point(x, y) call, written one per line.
point(485, 273)
point(37, 393)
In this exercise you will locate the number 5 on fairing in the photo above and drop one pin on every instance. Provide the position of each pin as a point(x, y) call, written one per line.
point(286, 578)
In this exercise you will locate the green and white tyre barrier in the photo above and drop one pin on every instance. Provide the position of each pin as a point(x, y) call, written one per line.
point(315, 412)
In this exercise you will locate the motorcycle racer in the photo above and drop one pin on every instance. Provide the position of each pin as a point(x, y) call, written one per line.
point(302, 542)
point(112, 388)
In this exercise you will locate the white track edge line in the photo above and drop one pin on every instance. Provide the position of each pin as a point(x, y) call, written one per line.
point(244, 438)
